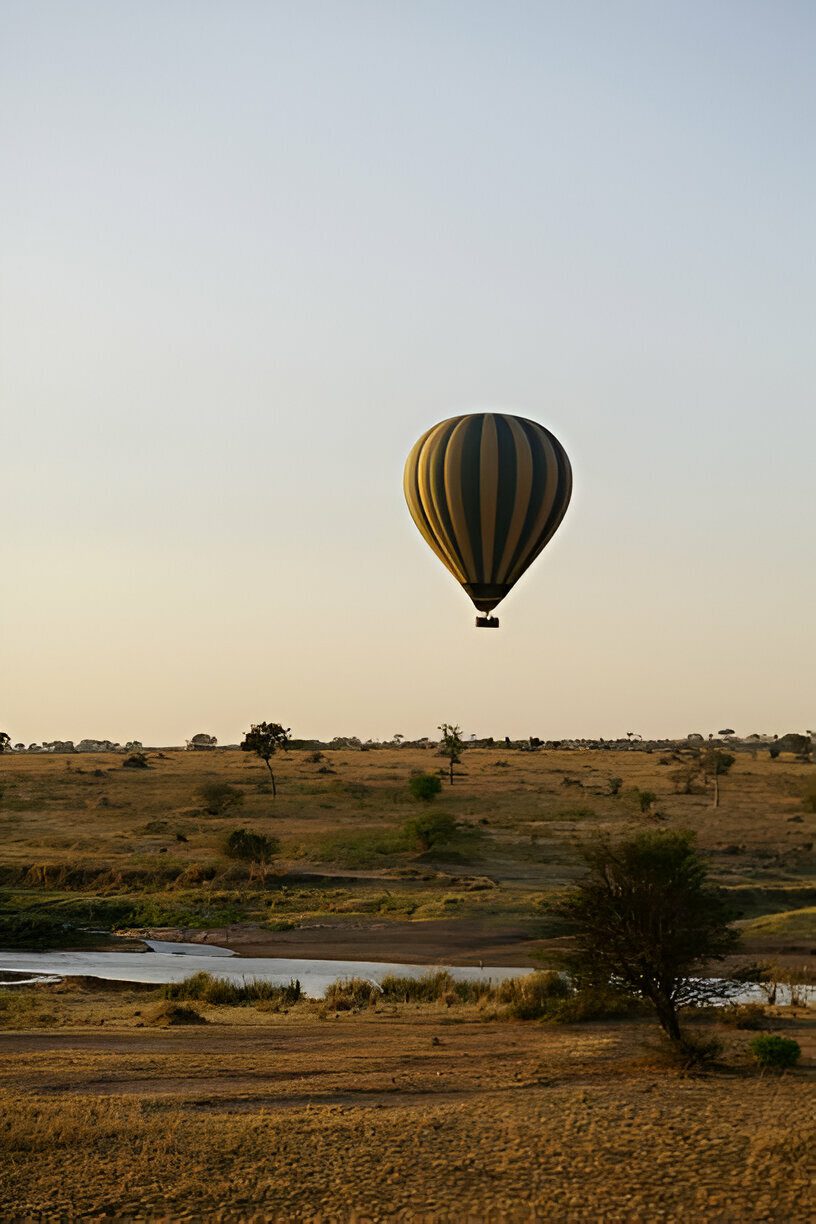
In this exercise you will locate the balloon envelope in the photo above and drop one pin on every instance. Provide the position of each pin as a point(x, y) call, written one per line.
point(488, 492)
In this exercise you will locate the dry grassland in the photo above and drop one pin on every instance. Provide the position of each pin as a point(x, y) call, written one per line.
point(411, 1114)
point(82, 828)
point(421, 1113)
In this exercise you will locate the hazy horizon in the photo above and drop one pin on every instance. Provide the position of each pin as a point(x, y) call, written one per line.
point(249, 253)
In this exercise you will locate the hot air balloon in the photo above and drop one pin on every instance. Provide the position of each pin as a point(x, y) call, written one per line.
point(488, 492)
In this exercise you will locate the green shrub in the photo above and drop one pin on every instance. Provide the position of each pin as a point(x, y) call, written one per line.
point(425, 787)
point(250, 847)
point(364, 848)
point(351, 994)
point(430, 829)
point(614, 785)
point(775, 1053)
point(219, 797)
point(194, 910)
point(221, 992)
point(645, 799)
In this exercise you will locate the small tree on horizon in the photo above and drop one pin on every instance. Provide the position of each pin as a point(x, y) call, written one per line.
point(264, 739)
point(5, 740)
point(716, 763)
point(646, 922)
point(451, 746)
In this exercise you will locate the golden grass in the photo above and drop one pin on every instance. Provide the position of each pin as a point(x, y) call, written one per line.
point(401, 1115)
point(414, 1111)
point(82, 826)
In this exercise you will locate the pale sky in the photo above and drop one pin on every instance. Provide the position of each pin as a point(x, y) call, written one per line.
point(251, 250)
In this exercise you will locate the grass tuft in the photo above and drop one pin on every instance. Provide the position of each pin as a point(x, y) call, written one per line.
point(206, 988)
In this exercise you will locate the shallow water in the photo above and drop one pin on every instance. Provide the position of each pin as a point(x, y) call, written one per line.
point(172, 962)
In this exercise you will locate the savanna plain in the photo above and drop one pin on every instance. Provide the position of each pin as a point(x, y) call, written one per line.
point(117, 1102)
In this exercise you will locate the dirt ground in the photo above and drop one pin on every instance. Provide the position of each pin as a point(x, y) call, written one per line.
point(418, 1114)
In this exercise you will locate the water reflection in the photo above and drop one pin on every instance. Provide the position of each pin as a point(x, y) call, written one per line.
point(172, 962)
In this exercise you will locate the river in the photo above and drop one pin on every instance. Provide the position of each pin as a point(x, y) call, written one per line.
point(172, 962)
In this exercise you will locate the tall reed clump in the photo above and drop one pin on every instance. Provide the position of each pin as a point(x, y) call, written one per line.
point(430, 988)
point(220, 992)
point(351, 994)
point(527, 998)
point(536, 996)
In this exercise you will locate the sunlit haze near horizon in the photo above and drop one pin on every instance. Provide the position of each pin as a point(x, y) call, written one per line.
point(251, 251)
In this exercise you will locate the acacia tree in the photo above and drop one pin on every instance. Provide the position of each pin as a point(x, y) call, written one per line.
point(264, 739)
point(452, 746)
point(716, 764)
point(645, 921)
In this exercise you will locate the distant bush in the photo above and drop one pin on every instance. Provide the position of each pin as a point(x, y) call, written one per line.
point(362, 848)
point(172, 1014)
point(250, 847)
point(357, 790)
point(744, 1016)
point(614, 785)
point(350, 994)
point(219, 797)
point(136, 760)
point(645, 799)
point(695, 1051)
point(430, 829)
point(425, 787)
point(219, 992)
point(34, 929)
point(775, 1053)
